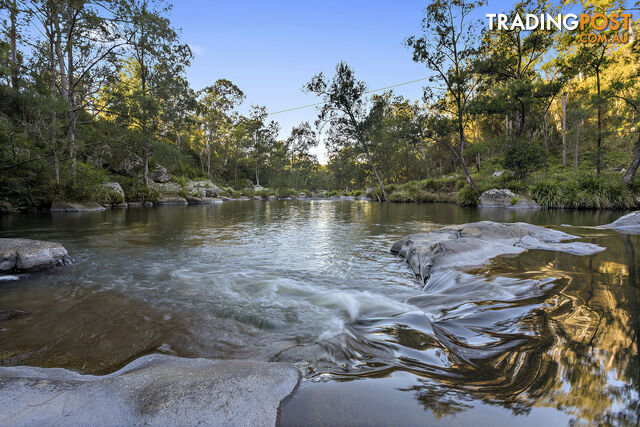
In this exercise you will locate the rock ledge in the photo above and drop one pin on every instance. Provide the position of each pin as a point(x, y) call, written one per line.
point(23, 255)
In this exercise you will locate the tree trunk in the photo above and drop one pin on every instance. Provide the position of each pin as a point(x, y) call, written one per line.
point(575, 150)
point(633, 168)
point(599, 123)
point(209, 160)
point(565, 101)
point(462, 162)
point(375, 172)
point(13, 15)
point(147, 154)
point(71, 133)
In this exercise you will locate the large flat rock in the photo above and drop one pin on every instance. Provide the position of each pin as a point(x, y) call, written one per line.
point(61, 206)
point(628, 224)
point(474, 244)
point(31, 255)
point(153, 390)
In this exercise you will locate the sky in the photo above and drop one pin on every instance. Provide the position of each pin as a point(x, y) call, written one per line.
point(270, 49)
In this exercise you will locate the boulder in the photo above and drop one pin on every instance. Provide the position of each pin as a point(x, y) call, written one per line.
point(364, 197)
point(157, 389)
point(203, 200)
point(503, 198)
point(171, 199)
point(134, 204)
point(115, 191)
point(474, 244)
point(31, 255)
point(628, 224)
point(272, 197)
point(159, 174)
point(256, 198)
point(302, 195)
point(258, 188)
point(131, 165)
point(497, 173)
point(61, 206)
point(204, 188)
point(148, 204)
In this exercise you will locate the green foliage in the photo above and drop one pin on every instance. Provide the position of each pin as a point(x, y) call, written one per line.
point(524, 157)
point(515, 200)
point(135, 190)
point(467, 196)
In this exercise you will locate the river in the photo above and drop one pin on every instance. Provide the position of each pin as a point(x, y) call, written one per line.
point(543, 337)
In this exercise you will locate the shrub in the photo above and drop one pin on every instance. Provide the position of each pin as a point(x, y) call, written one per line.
point(548, 194)
point(525, 156)
point(136, 191)
point(514, 200)
point(400, 196)
point(467, 196)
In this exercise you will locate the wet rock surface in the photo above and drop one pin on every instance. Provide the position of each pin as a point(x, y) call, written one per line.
point(474, 244)
point(628, 224)
point(62, 206)
point(152, 390)
point(31, 255)
point(503, 198)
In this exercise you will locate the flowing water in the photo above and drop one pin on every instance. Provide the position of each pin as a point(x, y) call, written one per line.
point(543, 337)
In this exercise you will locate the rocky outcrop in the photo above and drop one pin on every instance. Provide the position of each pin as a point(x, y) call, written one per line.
point(171, 199)
point(61, 206)
point(153, 390)
point(497, 173)
point(204, 188)
point(21, 255)
point(474, 244)
point(166, 187)
point(130, 166)
point(159, 174)
point(503, 198)
point(628, 224)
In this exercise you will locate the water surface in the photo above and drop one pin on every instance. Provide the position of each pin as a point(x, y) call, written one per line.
point(541, 337)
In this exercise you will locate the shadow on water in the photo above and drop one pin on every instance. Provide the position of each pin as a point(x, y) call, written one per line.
point(541, 337)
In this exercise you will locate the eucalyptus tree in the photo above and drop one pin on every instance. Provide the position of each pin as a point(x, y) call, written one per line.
point(263, 135)
point(215, 104)
point(447, 45)
point(155, 46)
point(346, 109)
point(301, 140)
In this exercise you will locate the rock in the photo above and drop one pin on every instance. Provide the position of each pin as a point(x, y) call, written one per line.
point(256, 198)
point(203, 200)
point(302, 196)
point(159, 174)
point(226, 199)
point(148, 204)
point(60, 206)
point(497, 173)
point(474, 244)
point(204, 188)
point(503, 198)
point(627, 224)
point(115, 191)
point(134, 204)
point(166, 187)
point(130, 166)
point(170, 199)
point(271, 198)
point(156, 389)
point(31, 255)
point(258, 188)
point(121, 205)
point(12, 314)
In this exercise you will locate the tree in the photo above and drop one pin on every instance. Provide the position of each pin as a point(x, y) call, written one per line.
point(216, 101)
point(158, 53)
point(446, 47)
point(345, 109)
point(301, 140)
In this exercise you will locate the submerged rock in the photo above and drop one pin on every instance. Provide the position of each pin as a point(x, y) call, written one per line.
point(171, 199)
point(31, 255)
point(61, 206)
point(203, 200)
point(503, 198)
point(153, 390)
point(629, 224)
point(474, 244)
point(12, 314)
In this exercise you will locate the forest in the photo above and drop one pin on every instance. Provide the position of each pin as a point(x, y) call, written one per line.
point(97, 91)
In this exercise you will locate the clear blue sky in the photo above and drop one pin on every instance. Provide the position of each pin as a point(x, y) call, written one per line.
point(271, 48)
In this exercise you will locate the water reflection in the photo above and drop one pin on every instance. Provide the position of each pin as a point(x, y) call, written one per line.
point(314, 283)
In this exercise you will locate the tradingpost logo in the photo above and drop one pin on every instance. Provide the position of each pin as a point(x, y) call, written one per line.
point(594, 28)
